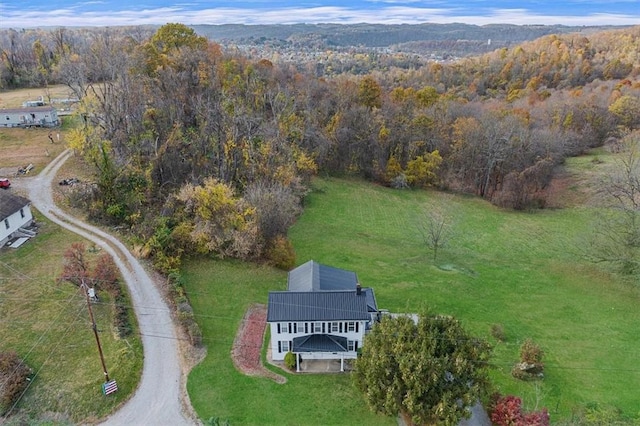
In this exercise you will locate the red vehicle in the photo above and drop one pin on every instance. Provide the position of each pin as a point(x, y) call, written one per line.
point(5, 183)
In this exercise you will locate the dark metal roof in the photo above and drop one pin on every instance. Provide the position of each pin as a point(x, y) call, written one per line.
point(313, 276)
point(317, 306)
point(27, 109)
point(319, 343)
point(11, 203)
point(372, 305)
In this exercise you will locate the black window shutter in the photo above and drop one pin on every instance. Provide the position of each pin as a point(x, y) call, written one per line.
point(357, 323)
point(306, 329)
point(289, 328)
point(295, 327)
point(278, 328)
point(355, 345)
point(323, 324)
point(340, 327)
point(279, 347)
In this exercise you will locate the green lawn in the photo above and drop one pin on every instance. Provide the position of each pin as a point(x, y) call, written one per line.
point(47, 324)
point(220, 293)
point(521, 270)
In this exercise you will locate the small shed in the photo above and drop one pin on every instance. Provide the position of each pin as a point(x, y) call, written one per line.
point(37, 116)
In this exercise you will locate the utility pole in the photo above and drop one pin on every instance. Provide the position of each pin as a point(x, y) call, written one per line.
point(95, 330)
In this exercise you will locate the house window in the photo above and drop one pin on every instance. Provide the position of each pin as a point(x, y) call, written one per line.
point(300, 328)
point(6, 223)
point(351, 326)
point(22, 213)
point(351, 345)
point(335, 327)
point(285, 345)
point(317, 328)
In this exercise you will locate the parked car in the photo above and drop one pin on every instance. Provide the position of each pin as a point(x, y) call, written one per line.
point(5, 183)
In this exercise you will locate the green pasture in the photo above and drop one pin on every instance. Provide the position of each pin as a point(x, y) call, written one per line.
point(47, 324)
point(522, 270)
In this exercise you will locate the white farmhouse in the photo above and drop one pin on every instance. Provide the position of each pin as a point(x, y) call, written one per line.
point(324, 314)
point(15, 213)
point(38, 116)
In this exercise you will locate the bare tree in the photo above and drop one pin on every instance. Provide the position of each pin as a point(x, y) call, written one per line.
point(436, 229)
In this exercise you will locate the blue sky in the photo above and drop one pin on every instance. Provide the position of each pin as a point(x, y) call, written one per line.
point(38, 13)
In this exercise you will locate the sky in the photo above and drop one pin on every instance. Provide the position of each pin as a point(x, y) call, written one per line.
point(44, 13)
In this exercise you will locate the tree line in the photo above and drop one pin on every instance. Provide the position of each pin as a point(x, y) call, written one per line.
point(202, 150)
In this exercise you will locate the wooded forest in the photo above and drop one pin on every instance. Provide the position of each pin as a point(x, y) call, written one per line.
point(198, 149)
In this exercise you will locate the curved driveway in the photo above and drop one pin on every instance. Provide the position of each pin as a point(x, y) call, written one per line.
point(158, 399)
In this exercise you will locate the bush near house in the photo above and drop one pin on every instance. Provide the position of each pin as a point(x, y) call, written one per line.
point(290, 360)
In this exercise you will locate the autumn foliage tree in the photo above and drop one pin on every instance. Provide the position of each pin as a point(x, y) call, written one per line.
point(429, 372)
point(218, 221)
point(103, 275)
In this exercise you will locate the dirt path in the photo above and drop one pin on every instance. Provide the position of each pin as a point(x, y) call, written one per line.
point(159, 399)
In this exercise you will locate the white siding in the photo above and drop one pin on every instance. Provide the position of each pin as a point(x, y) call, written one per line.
point(287, 331)
point(17, 220)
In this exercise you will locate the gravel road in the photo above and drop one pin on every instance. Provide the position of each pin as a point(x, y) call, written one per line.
point(159, 397)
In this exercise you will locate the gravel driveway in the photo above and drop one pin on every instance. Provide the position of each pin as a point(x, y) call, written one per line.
point(160, 398)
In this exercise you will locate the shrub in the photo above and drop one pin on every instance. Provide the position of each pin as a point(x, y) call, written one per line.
point(497, 331)
point(530, 366)
point(531, 353)
point(195, 334)
point(281, 254)
point(14, 375)
point(507, 411)
point(290, 360)
point(121, 320)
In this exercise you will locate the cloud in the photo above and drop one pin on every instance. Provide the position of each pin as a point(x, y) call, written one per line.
point(69, 17)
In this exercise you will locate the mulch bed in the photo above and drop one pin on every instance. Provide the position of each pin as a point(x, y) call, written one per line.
point(248, 344)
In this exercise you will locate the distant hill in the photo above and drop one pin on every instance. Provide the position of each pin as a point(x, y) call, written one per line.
point(465, 38)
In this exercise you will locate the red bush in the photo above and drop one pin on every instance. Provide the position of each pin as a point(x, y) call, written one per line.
point(507, 411)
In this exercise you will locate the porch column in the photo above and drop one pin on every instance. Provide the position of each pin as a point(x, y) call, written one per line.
point(297, 362)
point(341, 362)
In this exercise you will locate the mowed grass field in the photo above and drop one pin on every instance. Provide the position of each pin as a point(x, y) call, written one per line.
point(522, 270)
point(47, 324)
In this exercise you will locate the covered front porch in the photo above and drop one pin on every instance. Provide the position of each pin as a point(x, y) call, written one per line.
point(321, 353)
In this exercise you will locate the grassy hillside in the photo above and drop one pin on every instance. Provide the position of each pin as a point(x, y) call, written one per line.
point(521, 270)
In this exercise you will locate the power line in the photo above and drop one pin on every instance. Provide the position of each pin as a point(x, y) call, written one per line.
point(33, 378)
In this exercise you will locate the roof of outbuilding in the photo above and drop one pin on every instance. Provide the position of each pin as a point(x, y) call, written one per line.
point(45, 108)
point(318, 306)
point(313, 276)
point(11, 203)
